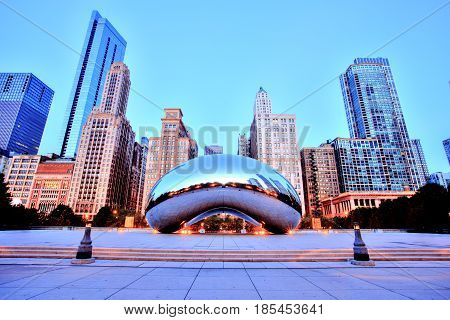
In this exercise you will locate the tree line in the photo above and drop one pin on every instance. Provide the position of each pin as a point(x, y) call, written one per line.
point(426, 211)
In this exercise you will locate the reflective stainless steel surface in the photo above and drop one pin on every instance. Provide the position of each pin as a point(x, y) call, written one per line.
point(211, 182)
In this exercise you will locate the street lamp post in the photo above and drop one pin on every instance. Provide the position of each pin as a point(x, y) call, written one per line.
point(360, 253)
point(84, 253)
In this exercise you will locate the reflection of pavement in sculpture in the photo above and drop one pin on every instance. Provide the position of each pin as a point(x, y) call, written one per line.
point(232, 184)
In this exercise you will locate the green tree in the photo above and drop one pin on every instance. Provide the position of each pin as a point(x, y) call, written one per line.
point(64, 216)
point(106, 218)
point(429, 208)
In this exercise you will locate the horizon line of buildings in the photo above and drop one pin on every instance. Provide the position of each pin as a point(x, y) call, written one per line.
point(100, 163)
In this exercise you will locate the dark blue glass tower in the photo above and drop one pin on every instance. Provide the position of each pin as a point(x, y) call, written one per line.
point(103, 45)
point(24, 105)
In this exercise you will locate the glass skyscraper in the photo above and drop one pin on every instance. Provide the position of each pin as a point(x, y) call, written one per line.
point(24, 104)
point(103, 45)
point(373, 111)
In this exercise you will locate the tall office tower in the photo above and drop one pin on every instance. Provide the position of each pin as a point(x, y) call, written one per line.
point(446, 144)
point(20, 177)
point(135, 176)
point(24, 102)
point(103, 46)
point(273, 140)
point(51, 184)
point(102, 168)
point(141, 195)
point(360, 165)
point(263, 104)
point(373, 111)
point(420, 163)
point(173, 147)
point(243, 145)
point(320, 176)
point(213, 149)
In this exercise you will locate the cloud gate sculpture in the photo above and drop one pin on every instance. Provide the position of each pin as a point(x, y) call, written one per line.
point(231, 184)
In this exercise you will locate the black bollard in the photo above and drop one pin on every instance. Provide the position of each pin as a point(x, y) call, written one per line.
point(360, 253)
point(84, 253)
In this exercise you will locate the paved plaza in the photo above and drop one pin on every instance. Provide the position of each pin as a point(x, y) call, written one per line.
point(57, 279)
point(33, 278)
point(147, 239)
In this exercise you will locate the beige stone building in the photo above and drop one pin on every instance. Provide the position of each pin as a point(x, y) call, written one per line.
point(273, 140)
point(20, 175)
point(102, 168)
point(173, 147)
point(342, 204)
point(319, 175)
point(51, 185)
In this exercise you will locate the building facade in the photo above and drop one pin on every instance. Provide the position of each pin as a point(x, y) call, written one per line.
point(213, 149)
point(319, 175)
point(420, 163)
point(373, 111)
point(25, 102)
point(103, 163)
point(273, 140)
point(442, 178)
point(51, 185)
point(360, 165)
point(103, 46)
point(172, 148)
point(344, 203)
point(243, 145)
point(20, 177)
point(141, 195)
point(135, 177)
point(446, 144)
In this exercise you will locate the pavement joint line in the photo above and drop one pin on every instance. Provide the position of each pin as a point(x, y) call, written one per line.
point(145, 274)
point(190, 287)
point(306, 279)
point(379, 286)
point(251, 280)
point(58, 287)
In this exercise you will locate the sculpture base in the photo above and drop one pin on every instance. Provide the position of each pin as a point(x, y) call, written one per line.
point(369, 263)
point(82, 261)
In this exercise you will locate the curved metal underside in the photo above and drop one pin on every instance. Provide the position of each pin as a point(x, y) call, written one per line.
point(171, 215)
point(246, 187)
point(225, 210)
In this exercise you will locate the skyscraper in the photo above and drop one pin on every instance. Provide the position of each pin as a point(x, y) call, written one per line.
point(446, 144)
point(25, 102)
point(213, 149)
point(420, 163)
point(373, 111)
point(263, 104)
point(140, 199)
point(273, 140)
point(173, 147)
point(135, 176)
point(103, 163)
point(320, 176)
point(360, 165)
point(102, 47)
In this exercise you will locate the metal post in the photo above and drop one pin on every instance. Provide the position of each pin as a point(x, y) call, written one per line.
point(84, 253)
point(360, 253)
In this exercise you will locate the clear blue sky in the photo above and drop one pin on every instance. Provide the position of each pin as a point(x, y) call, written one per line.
point(210, 57)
